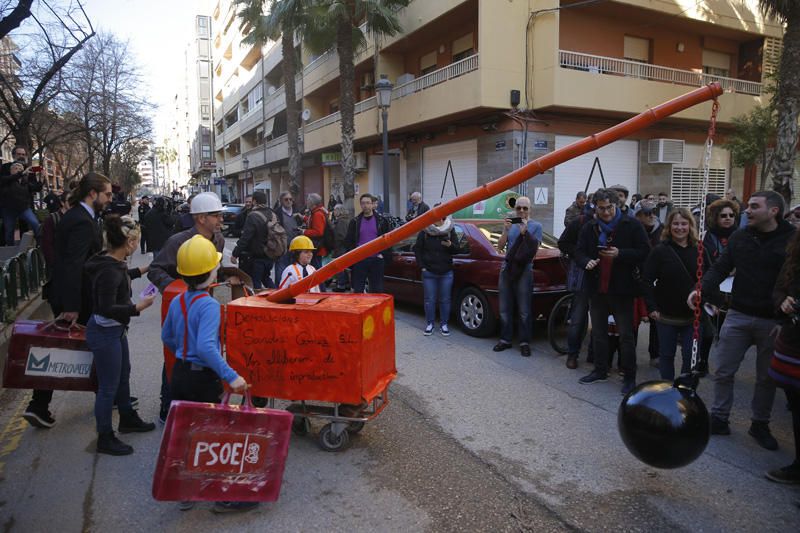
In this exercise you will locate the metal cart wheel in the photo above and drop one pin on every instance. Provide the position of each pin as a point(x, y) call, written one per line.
point(300, 426)
point(330, 442)
point(355, 427)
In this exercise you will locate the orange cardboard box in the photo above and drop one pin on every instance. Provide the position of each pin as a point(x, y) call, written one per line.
point(324, 347)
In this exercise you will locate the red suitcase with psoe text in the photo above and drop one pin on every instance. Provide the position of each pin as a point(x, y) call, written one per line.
point(43, 355)
point(221, 452)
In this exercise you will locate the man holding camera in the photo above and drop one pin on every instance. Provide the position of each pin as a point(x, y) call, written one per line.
point(517, 286)
point(757, 254)
point(18, 183)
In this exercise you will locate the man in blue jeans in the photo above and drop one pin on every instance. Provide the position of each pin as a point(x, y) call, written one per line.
point(520, 289)
point(365, 227)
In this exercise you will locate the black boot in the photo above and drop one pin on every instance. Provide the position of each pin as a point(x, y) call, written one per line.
point(129, 422)
point(110, 444)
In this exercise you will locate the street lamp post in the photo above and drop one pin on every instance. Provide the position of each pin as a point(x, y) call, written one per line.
point(383, 90)
point(246, 165)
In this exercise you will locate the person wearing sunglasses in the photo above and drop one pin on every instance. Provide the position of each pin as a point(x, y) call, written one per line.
point(516, 275)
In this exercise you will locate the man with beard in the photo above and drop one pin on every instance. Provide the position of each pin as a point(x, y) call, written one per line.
point(77, 239)
point(756, 254)
point(663, 207)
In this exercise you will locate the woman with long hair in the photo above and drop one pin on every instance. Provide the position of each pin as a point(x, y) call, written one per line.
point(107, 331)
point(785, 365)
point(721, 221)
point(670, 275)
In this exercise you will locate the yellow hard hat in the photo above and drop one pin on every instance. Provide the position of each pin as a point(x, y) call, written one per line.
point(301, 242)
point(197, 256)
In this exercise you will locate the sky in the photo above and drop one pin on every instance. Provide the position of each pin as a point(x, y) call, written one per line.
point(158, 32)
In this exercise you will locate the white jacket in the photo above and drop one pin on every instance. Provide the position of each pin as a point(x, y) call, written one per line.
point(294, 273)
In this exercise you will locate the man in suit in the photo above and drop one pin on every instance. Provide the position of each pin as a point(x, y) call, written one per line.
point(77, 239)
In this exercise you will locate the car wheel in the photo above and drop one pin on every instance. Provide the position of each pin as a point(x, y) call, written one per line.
point(474, 314)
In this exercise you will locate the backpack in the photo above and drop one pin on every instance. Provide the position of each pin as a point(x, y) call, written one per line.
point(277, 240)
point(328, 236)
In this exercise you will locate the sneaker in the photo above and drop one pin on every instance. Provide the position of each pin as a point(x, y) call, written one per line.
point(134, 402)
point(39, 418)
point(627, 386)
point(445, 330)
point(593, 377)
point(234, 507)
point(162, 414)
point(108, 443)
point(525, 350)
point(428, 330)
point(131, 423)
point(185, 506)
point(500, 346)
point(788, 475)
point(719, 426)
point(760, 432)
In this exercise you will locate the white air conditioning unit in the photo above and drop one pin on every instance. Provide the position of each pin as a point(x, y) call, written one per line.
point(665, 151)
point(360, 160)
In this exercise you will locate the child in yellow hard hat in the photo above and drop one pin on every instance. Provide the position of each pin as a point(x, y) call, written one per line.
point(191, 332)
point(302, 251)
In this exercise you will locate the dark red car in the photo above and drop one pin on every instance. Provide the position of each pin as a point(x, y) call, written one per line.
point(476, 273)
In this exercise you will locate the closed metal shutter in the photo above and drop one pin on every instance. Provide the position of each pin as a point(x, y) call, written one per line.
point(463, 157)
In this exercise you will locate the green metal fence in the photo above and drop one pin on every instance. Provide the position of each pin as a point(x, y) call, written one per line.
point(20, 277)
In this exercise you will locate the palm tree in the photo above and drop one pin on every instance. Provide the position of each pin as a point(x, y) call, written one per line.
point(285, 17)
point(788, 96)
point(343, 19)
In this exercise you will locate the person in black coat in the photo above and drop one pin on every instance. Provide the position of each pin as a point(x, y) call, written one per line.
point(434, 251)
point(144, 208)
point(159, 222)
point(110, 281)
point(250, 246)
point(368, 225)
point(77, 239)
point(669, 277)
point(579, 312)
point(611, 248)
point(16, 198)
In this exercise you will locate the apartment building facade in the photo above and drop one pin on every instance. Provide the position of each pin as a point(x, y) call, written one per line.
point(482, 87)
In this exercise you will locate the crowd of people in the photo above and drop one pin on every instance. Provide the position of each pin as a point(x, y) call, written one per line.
point(639, 261)
point(630, 262)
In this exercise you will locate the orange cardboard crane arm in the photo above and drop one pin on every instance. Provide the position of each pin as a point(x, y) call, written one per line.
point(492, 188)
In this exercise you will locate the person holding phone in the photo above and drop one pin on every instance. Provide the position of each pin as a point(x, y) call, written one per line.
point(16, 194)
point(516, 275)
point(434, 251)
point(610, 248)
point(107, 331)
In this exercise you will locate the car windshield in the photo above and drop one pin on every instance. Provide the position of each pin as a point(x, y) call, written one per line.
point(493, 230)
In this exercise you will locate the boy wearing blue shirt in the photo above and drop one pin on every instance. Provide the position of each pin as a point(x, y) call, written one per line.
point(191, 332)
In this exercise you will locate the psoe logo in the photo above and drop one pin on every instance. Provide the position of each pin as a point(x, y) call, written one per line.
point(227, 453)
point(58, 363)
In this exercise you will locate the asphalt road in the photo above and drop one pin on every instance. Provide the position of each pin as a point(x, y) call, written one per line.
point(472, 441)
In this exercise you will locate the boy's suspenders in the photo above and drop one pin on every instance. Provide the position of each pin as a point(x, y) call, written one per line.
point(185, 312)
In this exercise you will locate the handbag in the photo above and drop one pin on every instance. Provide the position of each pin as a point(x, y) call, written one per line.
point(222, 452)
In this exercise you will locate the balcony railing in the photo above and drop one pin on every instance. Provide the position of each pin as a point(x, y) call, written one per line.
point(360, 107)
point(645, 71)
point(454, 70)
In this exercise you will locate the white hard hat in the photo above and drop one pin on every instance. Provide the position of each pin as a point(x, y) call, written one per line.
point(206, 202)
